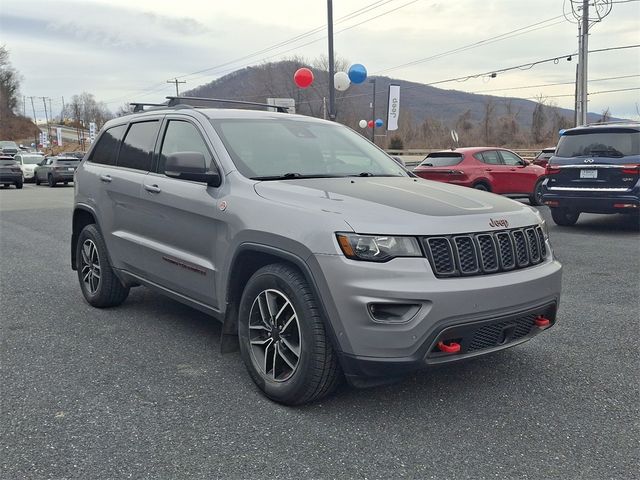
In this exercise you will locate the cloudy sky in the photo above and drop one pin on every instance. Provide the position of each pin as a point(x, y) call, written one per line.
point(123, 50)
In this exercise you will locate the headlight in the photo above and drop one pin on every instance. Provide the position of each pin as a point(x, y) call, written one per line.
point(545, 229)
point(377, 248)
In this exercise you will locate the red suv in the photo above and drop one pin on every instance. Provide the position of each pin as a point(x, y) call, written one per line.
point(496, 170)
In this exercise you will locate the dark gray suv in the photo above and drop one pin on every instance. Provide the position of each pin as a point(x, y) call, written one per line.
point(322, 257)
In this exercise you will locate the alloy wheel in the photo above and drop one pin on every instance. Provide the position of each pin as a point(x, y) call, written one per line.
point(90, 266)
point(274, 335)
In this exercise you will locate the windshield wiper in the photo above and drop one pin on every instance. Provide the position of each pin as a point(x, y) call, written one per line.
point(295, 175)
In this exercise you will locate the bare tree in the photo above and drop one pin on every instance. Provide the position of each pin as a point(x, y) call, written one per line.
point(9, 84)
point(538, 121)
point(488, 119)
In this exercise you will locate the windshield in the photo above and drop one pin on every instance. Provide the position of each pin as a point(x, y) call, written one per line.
point(600, 144)
point(6, 144)
point(277, 148)
point(31, 160)
point(441, 160)
point(6, 163)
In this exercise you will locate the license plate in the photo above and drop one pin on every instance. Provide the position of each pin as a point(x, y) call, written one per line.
point(588, 173)
point(71, 169)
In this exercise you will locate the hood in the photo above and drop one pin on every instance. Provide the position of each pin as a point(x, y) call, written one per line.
point(399, 205)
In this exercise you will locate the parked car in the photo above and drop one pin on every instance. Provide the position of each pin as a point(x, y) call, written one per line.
point(28, 163)
point(78, 155)
point(10, 173)
point(9, 148)
point(320, 255)
point(542, 158)
point(54, 170)
point(496, 170)
point(596, 169)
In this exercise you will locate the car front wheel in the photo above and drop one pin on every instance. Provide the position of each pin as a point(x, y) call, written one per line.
point(50, 181)
point(564, 217)
point(99, 285)
point(283, 340)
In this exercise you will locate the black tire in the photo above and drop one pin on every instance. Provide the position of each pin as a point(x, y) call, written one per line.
point(108, 292)
point(18, 185)
point(36, 179)
point(50, 181)
point(317, 371)
point(482, 186)
point(66, 183)
point(564, 217)
point(535, 198)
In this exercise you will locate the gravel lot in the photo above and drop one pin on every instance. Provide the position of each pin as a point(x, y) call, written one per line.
point(141, 391)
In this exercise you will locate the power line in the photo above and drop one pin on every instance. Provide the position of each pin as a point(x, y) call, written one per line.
point(554, 84)
point(476, 44)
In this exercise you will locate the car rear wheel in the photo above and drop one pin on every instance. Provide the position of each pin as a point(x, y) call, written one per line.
point(564, 217)
point(50, 181)
point(283, 340)
point(535, 198)
point(100, 286)
point(37, 180)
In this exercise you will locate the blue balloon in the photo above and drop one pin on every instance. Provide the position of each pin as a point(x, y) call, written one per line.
point(357, 73)
point(379, 123)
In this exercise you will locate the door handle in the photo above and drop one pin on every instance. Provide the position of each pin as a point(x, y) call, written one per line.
point(513, 169)
point(488, 169)
point(105, 178)
point(152, 188)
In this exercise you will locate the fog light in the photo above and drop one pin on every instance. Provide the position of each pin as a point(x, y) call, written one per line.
point(393, 312)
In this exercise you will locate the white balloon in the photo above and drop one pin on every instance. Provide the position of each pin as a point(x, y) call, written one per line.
point(341, 81)
point(362, 123)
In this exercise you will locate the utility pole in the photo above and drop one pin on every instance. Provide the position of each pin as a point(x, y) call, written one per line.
point(35, 121)
point(576, 97)
point(24, 106)
point(373, 111)
point(332, 93)
point(176, 81)
point(584, 48)
point(62, 113)
point(46, 117)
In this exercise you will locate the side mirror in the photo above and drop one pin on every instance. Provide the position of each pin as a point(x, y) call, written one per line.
point(190, 166)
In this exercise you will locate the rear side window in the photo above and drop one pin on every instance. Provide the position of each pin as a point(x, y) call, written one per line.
point(137, 147)
point(615, 144)
point(107, 147)
point(491, 157)
point(441, 160)
point(182, 137)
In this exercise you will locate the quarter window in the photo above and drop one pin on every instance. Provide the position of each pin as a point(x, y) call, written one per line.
point(182, 137)
point(107, 147)
point(137, 147)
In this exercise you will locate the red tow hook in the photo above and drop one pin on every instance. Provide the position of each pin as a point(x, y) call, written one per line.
point(542, 322)
point(452, 347)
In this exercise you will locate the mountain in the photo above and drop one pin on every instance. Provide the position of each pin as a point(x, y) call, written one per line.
point(427, 113)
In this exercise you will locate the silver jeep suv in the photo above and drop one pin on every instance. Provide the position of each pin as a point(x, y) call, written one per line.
point(322, 257)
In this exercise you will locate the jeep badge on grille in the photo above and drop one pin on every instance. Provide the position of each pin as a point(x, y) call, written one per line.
point(498, 222)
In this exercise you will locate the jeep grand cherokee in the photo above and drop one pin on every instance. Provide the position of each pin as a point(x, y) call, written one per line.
point(323, 257)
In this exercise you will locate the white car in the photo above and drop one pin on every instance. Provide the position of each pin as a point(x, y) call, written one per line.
point(28, 163)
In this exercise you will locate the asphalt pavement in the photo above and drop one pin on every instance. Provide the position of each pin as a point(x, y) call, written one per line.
point(141, 391)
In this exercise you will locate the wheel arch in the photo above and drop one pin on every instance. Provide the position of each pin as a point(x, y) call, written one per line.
point(482, 181)
point(82, 216)
point(249, 258)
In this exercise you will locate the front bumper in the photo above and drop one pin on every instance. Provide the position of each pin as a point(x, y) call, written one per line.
point(28, 174)
point(375, 347)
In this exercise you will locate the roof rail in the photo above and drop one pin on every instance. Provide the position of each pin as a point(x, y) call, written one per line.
point(612, 122)
point(139, 106)
point(205, 102)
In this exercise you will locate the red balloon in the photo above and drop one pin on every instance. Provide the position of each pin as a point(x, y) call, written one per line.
point(303, 77)
point(370, 124)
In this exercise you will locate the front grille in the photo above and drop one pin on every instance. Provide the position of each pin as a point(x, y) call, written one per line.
point(501, 333)
point(485, 252)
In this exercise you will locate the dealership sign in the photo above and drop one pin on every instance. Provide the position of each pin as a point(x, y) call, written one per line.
point(393, 107)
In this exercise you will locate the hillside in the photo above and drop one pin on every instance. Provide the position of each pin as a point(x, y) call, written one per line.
point(427, 113)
